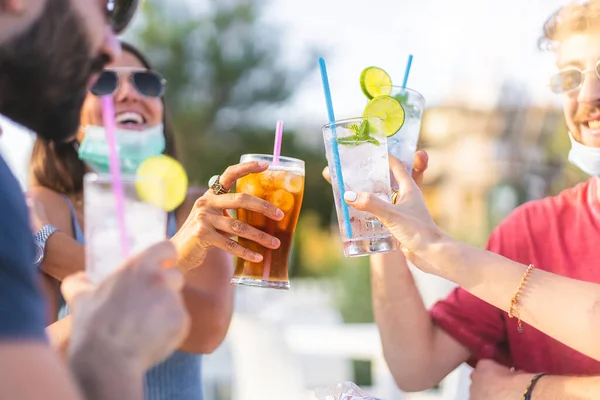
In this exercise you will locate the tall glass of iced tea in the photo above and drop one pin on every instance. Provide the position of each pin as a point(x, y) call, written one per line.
point(283, 185)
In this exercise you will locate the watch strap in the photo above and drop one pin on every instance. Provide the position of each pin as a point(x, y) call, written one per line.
point(44, 234)
point(532, 383)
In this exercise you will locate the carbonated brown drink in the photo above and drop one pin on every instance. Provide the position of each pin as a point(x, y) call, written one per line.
point(282, 185)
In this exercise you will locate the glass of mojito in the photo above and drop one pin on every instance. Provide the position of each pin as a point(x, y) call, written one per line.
point(403, 144)
point(363, 163)
point(404, 124)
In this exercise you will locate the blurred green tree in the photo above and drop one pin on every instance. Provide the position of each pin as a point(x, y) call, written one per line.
point(557, 149)
point(225, 80)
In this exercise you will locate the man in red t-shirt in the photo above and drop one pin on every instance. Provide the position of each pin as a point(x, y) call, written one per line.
point(558, 234)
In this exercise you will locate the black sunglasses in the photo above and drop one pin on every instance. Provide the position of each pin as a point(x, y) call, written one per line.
point(147, 83)
point(120, 13)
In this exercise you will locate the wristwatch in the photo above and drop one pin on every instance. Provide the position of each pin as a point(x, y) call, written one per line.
point(40, 240)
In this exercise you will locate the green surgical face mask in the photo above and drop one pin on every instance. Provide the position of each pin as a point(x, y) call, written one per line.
point(133, 147)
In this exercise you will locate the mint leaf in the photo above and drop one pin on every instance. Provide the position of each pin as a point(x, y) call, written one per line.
point(373, 131)
point(402, 98)
point(365, 127)
point(348, 141)
point(355, 141)
point(374, 141)
point(361, 135)
point(354, 128)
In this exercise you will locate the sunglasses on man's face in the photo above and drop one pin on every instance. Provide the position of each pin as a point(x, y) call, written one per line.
point(147, 83)
point(570, 79)
point(120, 13)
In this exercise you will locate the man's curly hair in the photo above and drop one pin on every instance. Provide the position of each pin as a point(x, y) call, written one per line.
point(576, 17)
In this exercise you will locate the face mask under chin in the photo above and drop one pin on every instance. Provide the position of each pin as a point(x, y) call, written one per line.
point(134, 147)
point(584, 157)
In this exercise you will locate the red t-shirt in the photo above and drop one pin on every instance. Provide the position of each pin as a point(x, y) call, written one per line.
point(558, 234)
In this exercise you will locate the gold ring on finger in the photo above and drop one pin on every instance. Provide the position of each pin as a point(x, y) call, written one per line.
point(216, 186)
point(394, 196)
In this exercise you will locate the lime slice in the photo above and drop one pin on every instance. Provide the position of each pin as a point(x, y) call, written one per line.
point(162, 181)
point(375, 82)
point(389, 110)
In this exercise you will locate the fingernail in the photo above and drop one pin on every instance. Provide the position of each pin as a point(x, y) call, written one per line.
point(275, 242)
point(279, 214)
point(350, 196)
point(258, 257)
point(263, 164)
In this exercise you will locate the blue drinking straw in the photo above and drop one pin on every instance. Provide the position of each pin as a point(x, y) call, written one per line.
point(334, 148)
point(407, 71)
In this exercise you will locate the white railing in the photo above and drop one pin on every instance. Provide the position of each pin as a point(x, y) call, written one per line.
point(283, 344)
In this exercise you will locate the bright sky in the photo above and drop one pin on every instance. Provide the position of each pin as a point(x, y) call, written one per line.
point(463, 51)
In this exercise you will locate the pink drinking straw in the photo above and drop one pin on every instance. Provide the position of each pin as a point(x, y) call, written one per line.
point(270, 227)
point(267, 261)
point(278, 138)
point(108, 117)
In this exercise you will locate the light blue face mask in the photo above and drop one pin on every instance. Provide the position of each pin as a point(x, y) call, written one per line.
point(133, 147)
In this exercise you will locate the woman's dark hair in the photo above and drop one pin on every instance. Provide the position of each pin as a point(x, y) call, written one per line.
point(57, 166)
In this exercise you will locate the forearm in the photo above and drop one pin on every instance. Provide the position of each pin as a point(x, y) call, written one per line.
point(567, 388)
point(410, 339)
point(102, 375)
point(32, 371)
point(63, 256)
point(209, 300)
point(59, 334)
point(210, 321)
point(210, 315)
point(566, 309)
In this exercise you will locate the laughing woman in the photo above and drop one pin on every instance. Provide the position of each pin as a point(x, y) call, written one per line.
point(198, 228)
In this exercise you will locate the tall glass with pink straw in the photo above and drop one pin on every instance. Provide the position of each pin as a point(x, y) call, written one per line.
point(118, 222)
point(283, 185)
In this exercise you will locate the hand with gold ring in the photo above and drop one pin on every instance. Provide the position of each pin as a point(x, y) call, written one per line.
point(209, 225)
point(408, 218)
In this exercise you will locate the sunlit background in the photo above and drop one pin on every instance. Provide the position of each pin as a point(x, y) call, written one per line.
point(494, 132)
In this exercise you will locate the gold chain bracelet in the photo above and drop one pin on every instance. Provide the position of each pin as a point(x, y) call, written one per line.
point(513, 311)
